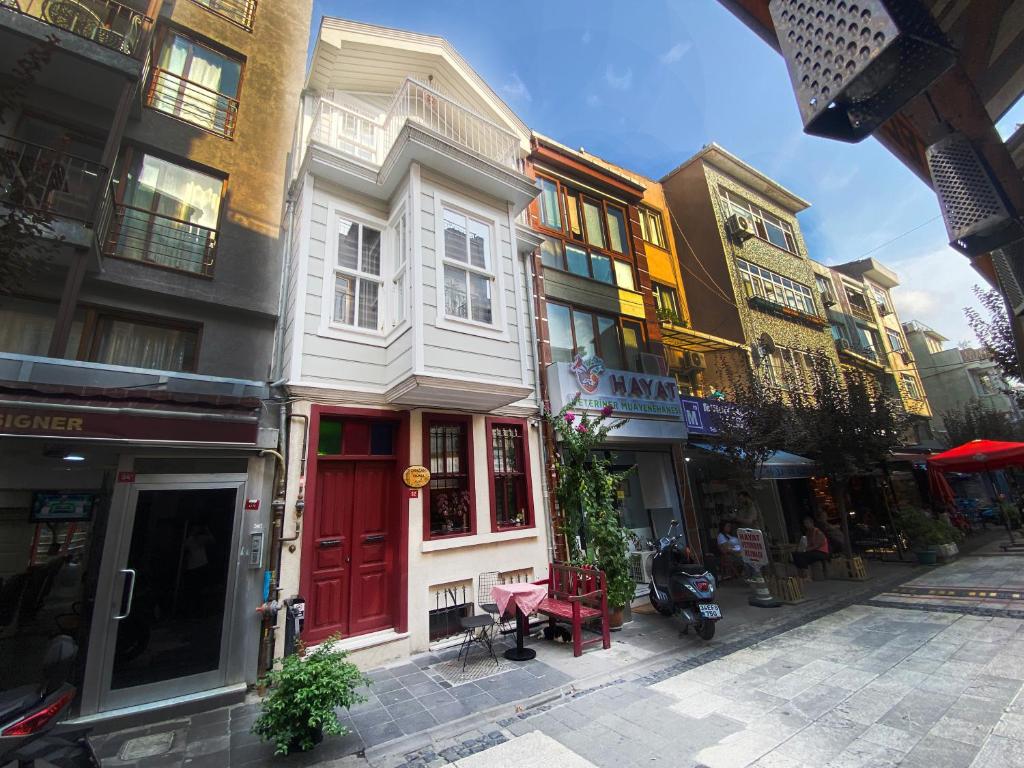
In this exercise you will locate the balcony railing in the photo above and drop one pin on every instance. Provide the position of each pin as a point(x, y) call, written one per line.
point(106, 22)
point(366, 137)
point(240, 12)
point(866, 352)
point(164, 241)
point(192, 102)
point(44, 179)
point(862, 312)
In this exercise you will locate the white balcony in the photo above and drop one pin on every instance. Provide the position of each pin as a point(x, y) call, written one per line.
point(371, 151)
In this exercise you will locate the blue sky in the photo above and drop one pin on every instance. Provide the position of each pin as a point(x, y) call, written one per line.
point(646, 84)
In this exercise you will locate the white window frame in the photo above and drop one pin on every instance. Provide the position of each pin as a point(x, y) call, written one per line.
point(398, 232)
point(498, 328)
point(330, 328)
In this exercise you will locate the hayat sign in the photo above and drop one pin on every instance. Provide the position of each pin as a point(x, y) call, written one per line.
point(636, 395)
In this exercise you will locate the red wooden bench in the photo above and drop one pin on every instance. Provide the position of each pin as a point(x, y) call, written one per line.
point(576, 595)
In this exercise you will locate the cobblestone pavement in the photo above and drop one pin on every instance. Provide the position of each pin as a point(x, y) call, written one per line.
point(775, 688)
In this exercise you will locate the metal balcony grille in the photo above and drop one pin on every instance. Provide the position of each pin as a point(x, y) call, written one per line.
point(192, 102)
point(44, 179)
point(240, 12)
point(106, 22)
point(163, 241)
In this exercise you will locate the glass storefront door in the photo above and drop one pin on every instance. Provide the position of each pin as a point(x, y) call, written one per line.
point(171, 591)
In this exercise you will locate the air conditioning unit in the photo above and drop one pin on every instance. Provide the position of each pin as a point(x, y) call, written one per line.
point(640, 566)
point(694, 361)
point(652, 364)
point(828, 299)
point(676, 358)
point(884, 310)
point(905, 357)
point(740, 228)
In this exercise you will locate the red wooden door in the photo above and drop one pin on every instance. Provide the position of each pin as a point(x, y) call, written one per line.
point(353, 549)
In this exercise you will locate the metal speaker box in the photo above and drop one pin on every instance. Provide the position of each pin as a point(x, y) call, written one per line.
point(978, 219)
point(855, 64)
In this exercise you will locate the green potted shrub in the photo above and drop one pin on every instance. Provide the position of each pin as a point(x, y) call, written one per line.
point(303, 695)
point(925, 534)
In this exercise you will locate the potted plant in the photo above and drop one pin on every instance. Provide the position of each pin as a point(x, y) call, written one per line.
point(303, 696)
point(926, 535)
point(587, 494)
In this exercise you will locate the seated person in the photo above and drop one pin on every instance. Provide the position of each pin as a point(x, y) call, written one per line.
point(817, 547)
point(730, 548)
point(834, 534)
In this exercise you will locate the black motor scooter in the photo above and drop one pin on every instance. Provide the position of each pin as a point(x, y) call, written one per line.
point(682, 587)
point(29, 717)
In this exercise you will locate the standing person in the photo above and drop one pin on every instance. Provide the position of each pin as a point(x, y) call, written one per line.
point(747, 513)
point(817, 547)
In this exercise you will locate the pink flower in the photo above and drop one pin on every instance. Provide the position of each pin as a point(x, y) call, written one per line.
point(581, 428)
point(570, 417)
point(607, 411)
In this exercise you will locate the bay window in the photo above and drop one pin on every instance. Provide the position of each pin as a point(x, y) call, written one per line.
point(596, 242)
point(399, 281)
point(195, 84)
point(509, 471)
point(449, 506)
point(571, 331)
point(357, 275)
point(762, 283)
point(468, 271)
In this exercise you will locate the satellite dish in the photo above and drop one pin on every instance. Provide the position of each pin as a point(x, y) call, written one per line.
point(767, 344)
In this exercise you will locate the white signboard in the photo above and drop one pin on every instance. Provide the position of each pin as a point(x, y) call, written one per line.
point(630, 394)
point(752, 542)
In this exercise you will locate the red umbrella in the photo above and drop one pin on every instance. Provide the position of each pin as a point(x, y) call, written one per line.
point(979, 456)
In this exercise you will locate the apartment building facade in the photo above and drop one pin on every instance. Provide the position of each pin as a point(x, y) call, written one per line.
point(407, 342)
point(599, 333)
point(956, 377)
point(135, 353)
point(757, 285)
point(869, 335)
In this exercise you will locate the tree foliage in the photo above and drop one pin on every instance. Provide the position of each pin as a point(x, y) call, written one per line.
point(994, 332)
point(847, 426)
point(974, 421)
point(27, 239)
point(587, 492)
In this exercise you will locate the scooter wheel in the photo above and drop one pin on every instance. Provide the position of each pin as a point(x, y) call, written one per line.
point(706, 630)
point(664, 611)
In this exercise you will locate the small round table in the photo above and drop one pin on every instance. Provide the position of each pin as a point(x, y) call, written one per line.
point(525, 598)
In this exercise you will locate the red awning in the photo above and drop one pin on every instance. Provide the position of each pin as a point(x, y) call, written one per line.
point(979, 456)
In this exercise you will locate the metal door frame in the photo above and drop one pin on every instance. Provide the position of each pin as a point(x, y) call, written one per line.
point(97, 693)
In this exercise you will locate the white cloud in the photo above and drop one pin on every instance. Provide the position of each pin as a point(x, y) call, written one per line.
point(934, 289)
point(586, 37)
point(835, 179)
point(593, 100)
point(675, 53)
point(515, 89)
point(619, 81)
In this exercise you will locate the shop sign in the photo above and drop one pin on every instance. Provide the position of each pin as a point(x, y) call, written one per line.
point(700, 414)
point(752, 542)
point(55, 422)
point(416, 476)
point(628, 393)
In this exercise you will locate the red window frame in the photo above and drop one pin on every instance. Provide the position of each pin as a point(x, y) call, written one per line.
point(466, 422)
point(526, 475)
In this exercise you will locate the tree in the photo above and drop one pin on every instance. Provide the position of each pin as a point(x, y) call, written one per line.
point(755, 422)
point(27, 239)
point(995, 334)
point(974, 421)
point(848, 428)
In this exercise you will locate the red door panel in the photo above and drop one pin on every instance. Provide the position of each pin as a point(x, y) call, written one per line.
point(351, 565)
point(330, 571)
point(372, 547)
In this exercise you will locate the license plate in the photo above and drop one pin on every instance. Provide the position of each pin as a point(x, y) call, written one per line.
point(710, 610)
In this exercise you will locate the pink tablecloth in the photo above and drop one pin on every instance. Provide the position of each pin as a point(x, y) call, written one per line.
point(526, 597)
